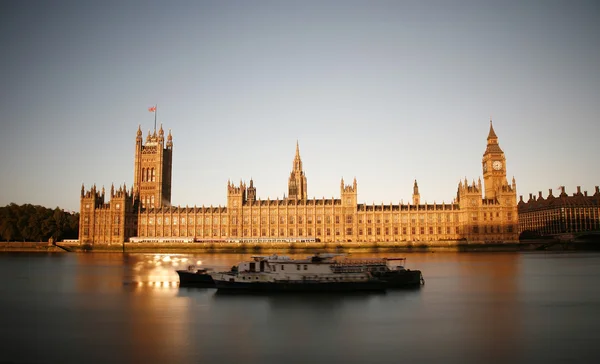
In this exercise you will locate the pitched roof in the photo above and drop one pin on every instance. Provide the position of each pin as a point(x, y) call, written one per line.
point(492, 133)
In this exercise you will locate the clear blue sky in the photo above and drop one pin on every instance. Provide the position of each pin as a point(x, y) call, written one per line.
point(384, 91)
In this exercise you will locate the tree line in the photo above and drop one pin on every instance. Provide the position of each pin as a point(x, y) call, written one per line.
point(37, 223)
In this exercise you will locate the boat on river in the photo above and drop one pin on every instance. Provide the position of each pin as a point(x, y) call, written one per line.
point(196, 277)
point(320, 272)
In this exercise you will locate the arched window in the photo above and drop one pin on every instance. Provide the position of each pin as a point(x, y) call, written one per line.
point(152, 201)
point(147, 174)
point(143, 174)
point(153, 177)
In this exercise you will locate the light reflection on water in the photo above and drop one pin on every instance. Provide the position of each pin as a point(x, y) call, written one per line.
point(482, 307)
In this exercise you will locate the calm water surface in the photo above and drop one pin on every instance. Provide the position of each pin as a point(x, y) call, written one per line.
point(474, 308)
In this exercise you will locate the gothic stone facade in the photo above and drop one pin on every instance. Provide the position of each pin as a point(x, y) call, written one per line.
point(480, 212)
point(562, 214)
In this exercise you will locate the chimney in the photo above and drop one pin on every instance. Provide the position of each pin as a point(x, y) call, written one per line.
point(530, 196)
point(520, 198)
point(550, 192)
point(585, 193)
point(540, 194)
point(579, 190)
point(597, 189)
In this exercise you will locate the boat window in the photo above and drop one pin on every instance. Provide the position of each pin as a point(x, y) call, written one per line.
point(282, 267)
point(305, 267)
point(298, 267)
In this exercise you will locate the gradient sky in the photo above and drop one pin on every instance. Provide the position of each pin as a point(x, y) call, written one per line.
point(384, 91)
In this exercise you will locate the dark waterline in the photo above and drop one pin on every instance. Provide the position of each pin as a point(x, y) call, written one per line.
point(474, 308)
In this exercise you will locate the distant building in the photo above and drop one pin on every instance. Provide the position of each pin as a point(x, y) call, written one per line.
point(480, 212)
point(560, 214)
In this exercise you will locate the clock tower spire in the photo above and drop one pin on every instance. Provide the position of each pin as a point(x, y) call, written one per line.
point(494, 166)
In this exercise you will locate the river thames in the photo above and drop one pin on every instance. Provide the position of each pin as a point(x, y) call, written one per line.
point(473, 308)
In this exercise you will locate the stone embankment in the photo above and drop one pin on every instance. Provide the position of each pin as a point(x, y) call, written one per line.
point(224, 247)
point(42, 247)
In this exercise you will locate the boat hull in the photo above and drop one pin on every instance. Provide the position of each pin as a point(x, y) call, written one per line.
point(402, 279)
point(189, 279)
point(300, 286)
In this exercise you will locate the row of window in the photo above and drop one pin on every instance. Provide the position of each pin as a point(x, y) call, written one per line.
point(148, 175)
point(291, 219)
point(318, 231)
point(103, 219)
point(97, 231)
point(492, 229)
point(319, 219)
point(147, 201)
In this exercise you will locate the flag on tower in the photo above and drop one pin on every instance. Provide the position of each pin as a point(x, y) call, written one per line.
point(152, 109)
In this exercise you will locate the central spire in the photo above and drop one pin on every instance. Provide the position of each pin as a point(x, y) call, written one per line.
point(297, 180)
point(297, 160)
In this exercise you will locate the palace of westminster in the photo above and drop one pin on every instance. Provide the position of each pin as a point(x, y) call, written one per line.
point(481, 212)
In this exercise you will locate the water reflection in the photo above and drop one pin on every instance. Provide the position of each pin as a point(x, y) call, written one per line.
point(285, 301)
point(473, 297)
point(494, 315)
point(129, 308)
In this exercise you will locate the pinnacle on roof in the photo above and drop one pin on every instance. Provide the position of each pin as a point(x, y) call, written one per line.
point(297, 165)
point(492, 133)
point(492, 142)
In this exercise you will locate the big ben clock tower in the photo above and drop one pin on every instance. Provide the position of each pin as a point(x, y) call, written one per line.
point(494, 166)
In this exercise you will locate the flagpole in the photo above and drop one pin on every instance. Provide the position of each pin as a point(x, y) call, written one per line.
point(155, 112)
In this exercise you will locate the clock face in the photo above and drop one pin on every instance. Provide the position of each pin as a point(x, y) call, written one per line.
point(497, 165)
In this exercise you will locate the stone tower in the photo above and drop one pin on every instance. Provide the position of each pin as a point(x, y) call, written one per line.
point(348, 194)
point(236, 197)
point(494, 167)
point(109, 222)
point(152, 170)
point(251, 192)
point(89, 202)
point(416, 196)
point(297, 181)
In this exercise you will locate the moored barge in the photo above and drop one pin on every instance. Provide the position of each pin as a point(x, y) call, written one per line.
point(321, 272)
point(196, 277)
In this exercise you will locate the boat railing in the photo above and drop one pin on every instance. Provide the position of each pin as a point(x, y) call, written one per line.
point(274, 258)
point(348, 269)
point(363, 262)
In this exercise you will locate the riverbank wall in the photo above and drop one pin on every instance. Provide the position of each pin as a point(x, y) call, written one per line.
point(311, 247)
point(41, 247)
